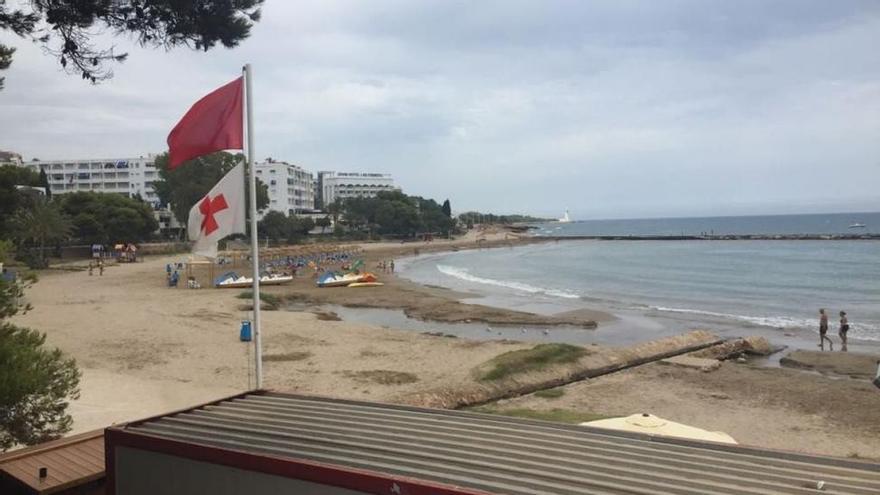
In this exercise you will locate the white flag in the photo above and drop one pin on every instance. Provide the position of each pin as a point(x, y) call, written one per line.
point(219, 214)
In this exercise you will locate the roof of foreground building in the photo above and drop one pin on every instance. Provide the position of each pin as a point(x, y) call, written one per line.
point(69, 462)
point(478, 453)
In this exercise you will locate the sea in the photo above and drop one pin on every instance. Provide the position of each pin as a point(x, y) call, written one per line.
point(772, 288)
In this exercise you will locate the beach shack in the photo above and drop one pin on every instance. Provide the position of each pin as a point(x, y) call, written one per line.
point(70, 466)
point(266, 443)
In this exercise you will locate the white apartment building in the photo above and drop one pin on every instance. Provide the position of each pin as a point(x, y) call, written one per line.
point(127, 176)
point(344, 185)
point(291, 188)
point(9, 158)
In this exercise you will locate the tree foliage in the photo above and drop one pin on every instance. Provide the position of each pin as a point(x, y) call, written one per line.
point(280, 227)
point(65, 28)
point(44, 183)
point(473, 217)
point(188, 183)
point(447, 209)
point(5, 60)
point(35, 382)
point(11, 199)
point(322, 222)
point(395, 213)
point(108, 218)
point(38, 224)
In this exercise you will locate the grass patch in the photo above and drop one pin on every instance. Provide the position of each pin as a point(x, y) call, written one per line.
point(287, 356)
point(383, 377)
point(525, 360)
point(550, 393)
point(269, 301)
point(555, 415)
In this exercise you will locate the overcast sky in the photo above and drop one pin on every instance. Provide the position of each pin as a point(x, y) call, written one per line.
point(610, 108)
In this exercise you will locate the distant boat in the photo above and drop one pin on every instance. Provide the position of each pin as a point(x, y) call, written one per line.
point(565, 218)
point(857, 226)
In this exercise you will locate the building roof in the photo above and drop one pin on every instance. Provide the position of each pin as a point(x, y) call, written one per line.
point(479, 453)
point(70, 461)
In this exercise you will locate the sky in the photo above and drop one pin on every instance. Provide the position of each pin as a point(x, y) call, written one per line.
point(612, 109)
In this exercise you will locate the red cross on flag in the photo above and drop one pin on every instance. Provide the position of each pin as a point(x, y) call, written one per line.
point(218, 214)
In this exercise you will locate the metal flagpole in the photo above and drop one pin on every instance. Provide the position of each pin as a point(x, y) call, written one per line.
point(255, 242)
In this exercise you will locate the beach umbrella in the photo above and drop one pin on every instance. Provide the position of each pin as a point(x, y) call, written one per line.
point(653, 425)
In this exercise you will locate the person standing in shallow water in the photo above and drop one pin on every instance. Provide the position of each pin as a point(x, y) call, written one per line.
point(844, 327)
point(823, 329)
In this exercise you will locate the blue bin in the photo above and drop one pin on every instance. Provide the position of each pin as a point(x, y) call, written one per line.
point(245, 335)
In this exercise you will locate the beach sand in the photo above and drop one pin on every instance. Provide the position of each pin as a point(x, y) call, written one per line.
point(146, 349)
point(768, 407)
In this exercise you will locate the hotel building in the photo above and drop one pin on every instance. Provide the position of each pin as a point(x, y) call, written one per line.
point(343, 185)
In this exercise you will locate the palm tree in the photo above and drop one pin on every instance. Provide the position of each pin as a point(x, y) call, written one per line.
point(42, 222)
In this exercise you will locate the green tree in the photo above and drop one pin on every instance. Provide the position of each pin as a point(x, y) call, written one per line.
point(108, 218)
point(188, 183)
point(35, 382)
point(44, 183)
point(65, 28)
point(323, 222)
point(447, 209)
point(11, 199)
point(41, 223)
point(335, 210)
point(300, 227)
point(274, 225)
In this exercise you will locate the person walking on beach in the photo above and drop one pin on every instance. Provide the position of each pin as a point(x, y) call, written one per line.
point(101, 267)
point(823, 329)
point(844, 327)
point(91, 267)
point(392, 266)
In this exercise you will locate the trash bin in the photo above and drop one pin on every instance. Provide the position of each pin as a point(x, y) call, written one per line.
point(245, 335)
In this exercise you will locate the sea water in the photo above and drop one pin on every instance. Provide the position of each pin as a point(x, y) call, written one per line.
point(773, 288)
point(812, 224)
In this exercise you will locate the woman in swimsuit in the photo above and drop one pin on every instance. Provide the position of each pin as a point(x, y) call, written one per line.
point(844, 327)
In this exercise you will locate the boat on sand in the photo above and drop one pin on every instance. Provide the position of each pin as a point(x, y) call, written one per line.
point(333, 279)
point(232, 280)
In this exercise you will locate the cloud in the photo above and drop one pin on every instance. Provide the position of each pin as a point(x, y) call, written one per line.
point(608, 108)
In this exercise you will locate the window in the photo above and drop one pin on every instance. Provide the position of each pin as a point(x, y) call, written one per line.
point(272, 182)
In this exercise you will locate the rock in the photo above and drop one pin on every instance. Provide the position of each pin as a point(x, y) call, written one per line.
point(735, 348)
point(758, 345)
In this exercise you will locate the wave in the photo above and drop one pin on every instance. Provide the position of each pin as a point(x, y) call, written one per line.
point(857, 330)
point(464, 274)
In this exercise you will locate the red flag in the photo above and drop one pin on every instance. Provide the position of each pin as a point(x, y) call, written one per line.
point(214, 123)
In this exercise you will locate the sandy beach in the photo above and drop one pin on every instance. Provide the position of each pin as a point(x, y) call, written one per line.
point(146, 349)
